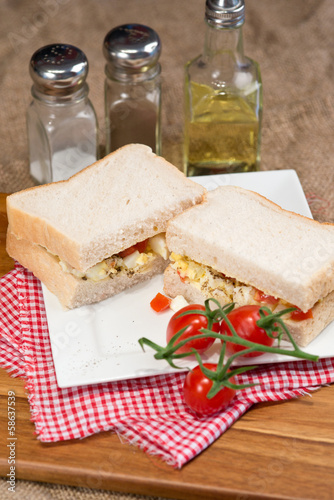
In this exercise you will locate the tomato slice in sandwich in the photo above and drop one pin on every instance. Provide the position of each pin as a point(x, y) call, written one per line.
point(127, 251)
point(266, 299)
point(141, 247)
point(299, 315)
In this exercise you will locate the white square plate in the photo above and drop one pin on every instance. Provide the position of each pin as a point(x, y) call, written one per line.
point(99, 343)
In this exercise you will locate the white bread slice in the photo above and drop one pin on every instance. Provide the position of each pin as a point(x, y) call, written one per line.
point(71, 291)
point(247, 237)
point(303, 332)
point(124, 198)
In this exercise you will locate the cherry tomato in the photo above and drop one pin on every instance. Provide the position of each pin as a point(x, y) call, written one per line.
point(262, 297)
point(194, 322)
point(160, 302)
point(299, 315)
point(243, 320)
point(196, 387)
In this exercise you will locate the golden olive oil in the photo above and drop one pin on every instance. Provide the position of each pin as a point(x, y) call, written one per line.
point(221, 131)
point(223, 97)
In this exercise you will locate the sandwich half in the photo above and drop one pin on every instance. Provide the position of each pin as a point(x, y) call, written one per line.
point(237, 246)
point(102, 230)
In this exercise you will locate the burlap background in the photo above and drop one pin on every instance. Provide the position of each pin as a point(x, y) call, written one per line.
point(292, 40)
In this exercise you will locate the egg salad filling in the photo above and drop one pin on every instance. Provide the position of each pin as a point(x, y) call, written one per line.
point(211, 282)
point(215, 284)
point(135, 262)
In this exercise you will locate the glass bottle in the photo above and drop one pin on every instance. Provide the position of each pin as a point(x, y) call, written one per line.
point(61, 122)
point(223, 98)
point(132, 87)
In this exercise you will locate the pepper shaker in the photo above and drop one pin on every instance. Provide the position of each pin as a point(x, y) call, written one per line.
point(61, 122)
point(132, 87)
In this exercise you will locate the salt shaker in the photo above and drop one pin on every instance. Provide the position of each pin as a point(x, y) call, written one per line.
point(62, 124)
point(223, 92)
point(132, 87)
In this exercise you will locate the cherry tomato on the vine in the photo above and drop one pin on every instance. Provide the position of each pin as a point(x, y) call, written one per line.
point(193, 322)
point(196, 387)
point(243, 320)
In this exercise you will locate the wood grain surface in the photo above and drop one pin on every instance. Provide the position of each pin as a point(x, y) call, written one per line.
point(275, 451)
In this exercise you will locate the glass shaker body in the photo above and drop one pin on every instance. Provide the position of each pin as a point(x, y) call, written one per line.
point(61, 122)
point(132, 110)
point(223, 106)
point(62, 135)
point(132, 87)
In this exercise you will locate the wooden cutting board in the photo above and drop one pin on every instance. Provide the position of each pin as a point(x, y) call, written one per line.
point(277, 450)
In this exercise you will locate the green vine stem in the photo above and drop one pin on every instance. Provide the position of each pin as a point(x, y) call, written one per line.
point(272, 323)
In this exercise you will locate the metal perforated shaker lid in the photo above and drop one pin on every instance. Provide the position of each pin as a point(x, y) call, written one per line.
point(58, 69)
point(132, 48)
point(225, 13)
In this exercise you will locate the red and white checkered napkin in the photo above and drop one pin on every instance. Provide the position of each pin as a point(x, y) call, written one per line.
point(148, 412)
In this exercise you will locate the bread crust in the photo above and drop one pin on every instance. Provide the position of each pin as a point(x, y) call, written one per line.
point(126, 197)
point(71, 291)
point(303, 332)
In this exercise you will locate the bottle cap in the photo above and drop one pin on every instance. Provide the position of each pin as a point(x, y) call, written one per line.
point(132, 48)
point(225, 13)
point(58, 69)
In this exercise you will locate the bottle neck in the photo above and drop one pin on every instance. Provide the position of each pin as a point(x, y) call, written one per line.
point(224, 43)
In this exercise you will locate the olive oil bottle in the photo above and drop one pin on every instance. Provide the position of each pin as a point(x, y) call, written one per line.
point(223, 98)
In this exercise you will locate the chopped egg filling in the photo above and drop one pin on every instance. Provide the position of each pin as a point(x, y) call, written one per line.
point(211, 282)
point(135, 262)
point(178, 303)
point(215, 284)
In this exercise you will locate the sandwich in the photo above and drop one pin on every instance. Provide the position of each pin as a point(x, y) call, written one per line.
point(237, 246)
point(101, 231)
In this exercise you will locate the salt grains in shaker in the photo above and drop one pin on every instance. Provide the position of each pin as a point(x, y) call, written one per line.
point(62, 125)
point(132, 87)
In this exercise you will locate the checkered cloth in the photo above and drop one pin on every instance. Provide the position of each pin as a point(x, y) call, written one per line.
point(148, 412)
